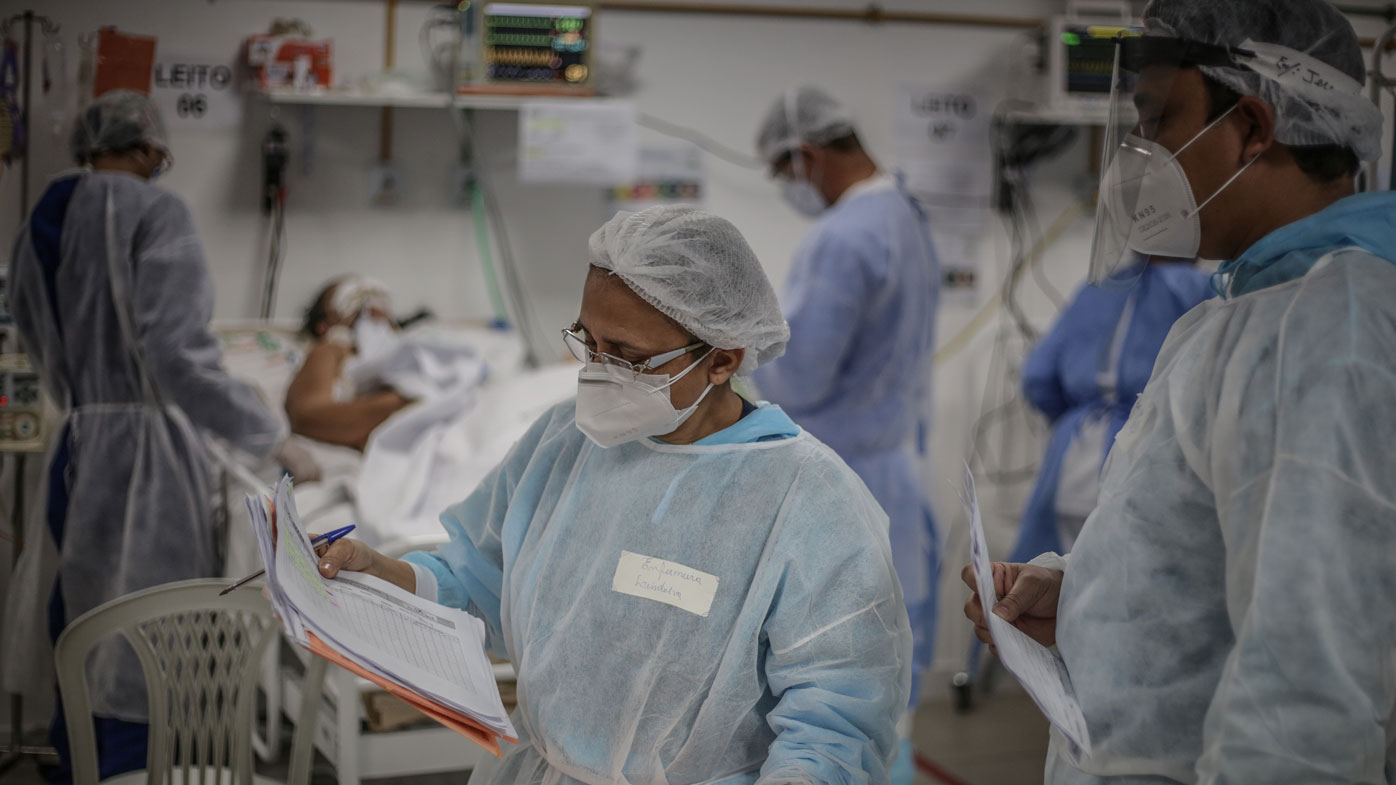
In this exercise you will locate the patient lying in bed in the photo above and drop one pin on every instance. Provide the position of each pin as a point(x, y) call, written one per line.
point(472, 398)
point(348, 321)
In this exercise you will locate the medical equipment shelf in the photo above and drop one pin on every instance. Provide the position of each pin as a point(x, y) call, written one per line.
point(409, 100)
point(1049, 115)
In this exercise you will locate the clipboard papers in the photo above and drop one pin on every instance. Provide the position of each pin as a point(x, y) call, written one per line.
point(429, 655)
point(1040, 671)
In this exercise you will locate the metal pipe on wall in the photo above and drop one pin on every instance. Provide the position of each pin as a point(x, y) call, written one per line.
point(28, 91)
point(872, 14)
point(385, 115)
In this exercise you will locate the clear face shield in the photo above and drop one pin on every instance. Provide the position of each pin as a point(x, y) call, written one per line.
point(1146, 208)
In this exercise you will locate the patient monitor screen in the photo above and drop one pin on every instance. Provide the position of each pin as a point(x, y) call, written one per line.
point(546, 44)
point(1090, 58)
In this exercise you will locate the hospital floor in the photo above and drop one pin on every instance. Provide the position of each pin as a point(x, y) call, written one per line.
point(1001, 741)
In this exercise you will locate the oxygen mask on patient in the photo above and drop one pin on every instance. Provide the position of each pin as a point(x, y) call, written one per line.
point(374, 336)
point(364, 302)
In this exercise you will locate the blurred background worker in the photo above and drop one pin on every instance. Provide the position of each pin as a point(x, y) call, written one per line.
point(861, 303)
point(1084, 376)
point(113, 299)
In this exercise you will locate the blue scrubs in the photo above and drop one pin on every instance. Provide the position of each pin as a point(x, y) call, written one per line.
point(861, 302)
point(1077, 373)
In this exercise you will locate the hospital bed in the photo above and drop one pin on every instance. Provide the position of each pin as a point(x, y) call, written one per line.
point(484, 422)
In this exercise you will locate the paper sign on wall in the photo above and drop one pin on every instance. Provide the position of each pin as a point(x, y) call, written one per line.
point(580, 143)
point(196, 91)
point(669, 173)
point(942, 140)
point(942, 135)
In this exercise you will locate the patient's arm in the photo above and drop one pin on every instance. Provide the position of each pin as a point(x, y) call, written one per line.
point(315, 414)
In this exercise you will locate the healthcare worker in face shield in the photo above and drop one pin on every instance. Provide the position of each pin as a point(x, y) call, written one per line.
point(691, 588)
point(112, 297)
point(1225, 616)
point(1084, 376)
point(861, 301)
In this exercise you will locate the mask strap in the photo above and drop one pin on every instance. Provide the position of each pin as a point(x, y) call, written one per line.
point(690, 409)
point(685, 371)
point(1228, 182)
point(700, 399)
point(797, 160)
point(1200, 134)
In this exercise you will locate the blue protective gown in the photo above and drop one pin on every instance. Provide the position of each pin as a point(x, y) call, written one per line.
point(797, 670)
point(1062, 377)
point(861, 302)
point(1226, 616)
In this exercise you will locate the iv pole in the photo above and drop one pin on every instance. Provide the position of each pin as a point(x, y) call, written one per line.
point(15, 751)
point(1378, 82)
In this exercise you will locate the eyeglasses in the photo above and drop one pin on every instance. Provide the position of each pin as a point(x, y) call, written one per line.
point(578, 343)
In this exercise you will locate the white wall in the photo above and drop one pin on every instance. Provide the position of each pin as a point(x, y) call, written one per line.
point(716, 74)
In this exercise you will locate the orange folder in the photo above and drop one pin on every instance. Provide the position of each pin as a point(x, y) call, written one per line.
point(451, 718)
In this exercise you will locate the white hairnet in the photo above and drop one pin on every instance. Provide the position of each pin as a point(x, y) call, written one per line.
point(697, 269)
point(117, 121)
point(1304, 116)
point(803, 115)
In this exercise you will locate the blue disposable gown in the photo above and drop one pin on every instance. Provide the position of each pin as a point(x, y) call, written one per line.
point(861, 302)
point(113, 298)
point(1076, 374)
point(1226, 616)
point(797, 673)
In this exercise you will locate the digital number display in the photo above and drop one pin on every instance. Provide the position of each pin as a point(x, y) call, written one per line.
point(537, 43)
point(1090, 57)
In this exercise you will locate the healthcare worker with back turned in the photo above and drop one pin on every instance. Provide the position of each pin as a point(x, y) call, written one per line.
point(861, 302)
point(1084, 376)
point(113, 299)
point(690, 587)
point(1226, 615)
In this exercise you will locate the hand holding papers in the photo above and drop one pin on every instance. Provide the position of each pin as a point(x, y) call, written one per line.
point(428, 654)
point(1040, 671)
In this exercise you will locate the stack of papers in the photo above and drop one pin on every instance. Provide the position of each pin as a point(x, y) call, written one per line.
point(427, 654)
point(1041, 672)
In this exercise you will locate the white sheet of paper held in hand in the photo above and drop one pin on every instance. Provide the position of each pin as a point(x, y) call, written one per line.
point(1040, 671)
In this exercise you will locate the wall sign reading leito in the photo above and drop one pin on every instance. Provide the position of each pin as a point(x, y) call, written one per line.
point(196, 91)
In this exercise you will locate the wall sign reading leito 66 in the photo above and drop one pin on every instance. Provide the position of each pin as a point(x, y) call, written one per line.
point(196, 91)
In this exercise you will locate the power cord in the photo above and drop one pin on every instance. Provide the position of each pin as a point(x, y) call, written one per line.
point(702, 140)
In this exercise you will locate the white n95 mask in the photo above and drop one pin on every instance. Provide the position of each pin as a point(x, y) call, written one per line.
point(614, 406)
point(1163, 221)
point(803, 197)
point(1148, 203)
point(799, 192)
point(374, 337)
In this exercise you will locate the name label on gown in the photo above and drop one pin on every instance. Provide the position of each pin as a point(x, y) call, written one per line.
point(665, 581)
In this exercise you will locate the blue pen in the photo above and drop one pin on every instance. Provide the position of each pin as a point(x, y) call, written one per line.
point(326, 539)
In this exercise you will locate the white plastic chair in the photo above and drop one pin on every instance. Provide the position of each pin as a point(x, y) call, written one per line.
point(201, 655)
